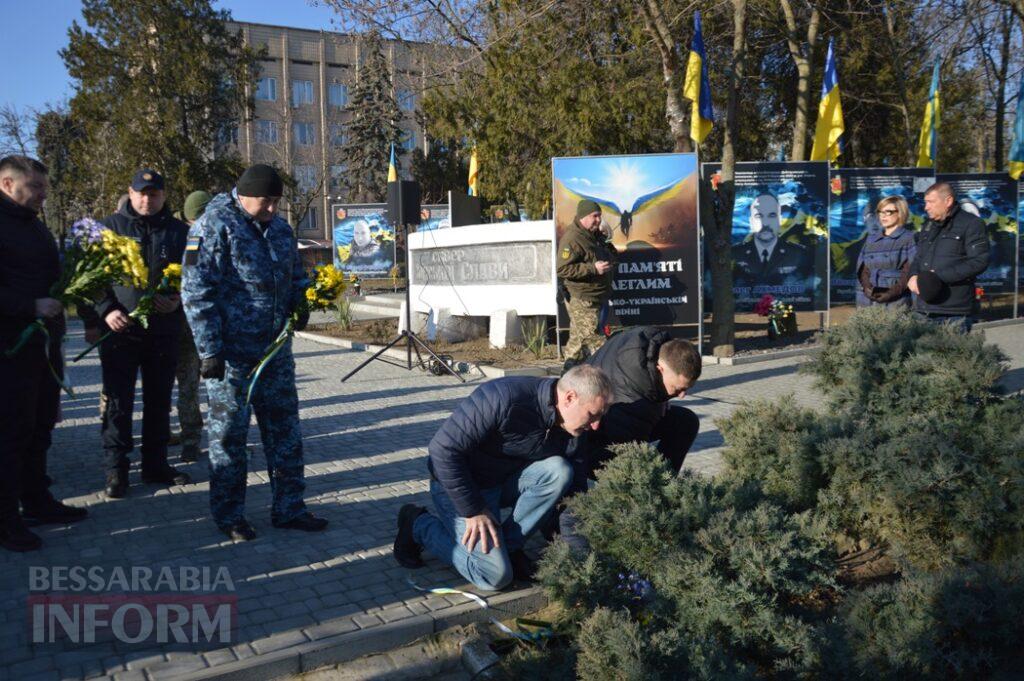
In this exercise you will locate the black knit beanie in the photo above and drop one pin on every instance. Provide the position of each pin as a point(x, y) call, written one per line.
point(260, 180)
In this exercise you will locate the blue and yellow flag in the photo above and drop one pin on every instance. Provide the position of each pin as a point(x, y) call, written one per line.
point(928, 142)
point(1017, 149)
point(697, 87)
point(830, 128)
point(392, 166)
point(474, 186)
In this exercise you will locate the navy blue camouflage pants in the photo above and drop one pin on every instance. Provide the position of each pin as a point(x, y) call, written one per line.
point(276, 405)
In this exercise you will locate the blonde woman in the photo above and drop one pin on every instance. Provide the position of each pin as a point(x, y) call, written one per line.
point(883, 267)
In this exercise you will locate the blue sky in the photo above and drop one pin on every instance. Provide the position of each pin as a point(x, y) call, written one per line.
point(623, 179)
point(32, 32)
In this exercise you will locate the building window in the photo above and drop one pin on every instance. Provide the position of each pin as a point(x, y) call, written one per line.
point(337, 94)
point(408, 140)
point(228, 135)
point(266, 89)
point(339, 137)
point(304, 134)
point(308, 222)
point(406, 100)
point(338, 177)
point(302, 92)
point(305, 177)
point(266, 132)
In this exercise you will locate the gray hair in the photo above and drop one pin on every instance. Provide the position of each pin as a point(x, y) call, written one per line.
point(587, 382)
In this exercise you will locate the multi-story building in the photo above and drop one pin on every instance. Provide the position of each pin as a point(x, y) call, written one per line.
point(299, 121)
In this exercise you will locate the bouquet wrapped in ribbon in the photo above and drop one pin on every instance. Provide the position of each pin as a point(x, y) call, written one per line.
point(326, 287)
point(95, 259)
point(170, 283)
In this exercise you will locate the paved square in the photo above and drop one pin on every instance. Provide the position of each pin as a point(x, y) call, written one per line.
point(365, 447)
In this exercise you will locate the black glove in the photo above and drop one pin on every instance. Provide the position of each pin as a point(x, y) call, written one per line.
point(212, 367)
point(302, 321)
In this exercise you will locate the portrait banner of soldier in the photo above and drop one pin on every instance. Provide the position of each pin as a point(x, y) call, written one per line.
point(1020, 247)
point(852, 216)
point(993, 198)
point(779, 235)
point(363, 239)
point(434, 217)
point(649, 214)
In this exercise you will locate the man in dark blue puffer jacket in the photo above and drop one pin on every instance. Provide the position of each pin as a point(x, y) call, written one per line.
point(503, 446)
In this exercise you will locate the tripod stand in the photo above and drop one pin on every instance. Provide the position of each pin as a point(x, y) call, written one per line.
point(404, 208)
point(413, 342)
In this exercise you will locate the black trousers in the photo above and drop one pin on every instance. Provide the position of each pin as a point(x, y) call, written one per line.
point(122, 357)
point(28, 413)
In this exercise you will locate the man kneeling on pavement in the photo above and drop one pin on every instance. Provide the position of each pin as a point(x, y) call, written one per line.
point(648, 369)
point(503, 446)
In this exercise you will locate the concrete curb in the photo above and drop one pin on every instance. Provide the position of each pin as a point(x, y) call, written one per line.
point(333, 650)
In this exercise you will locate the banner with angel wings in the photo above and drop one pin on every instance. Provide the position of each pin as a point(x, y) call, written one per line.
point(649, 211)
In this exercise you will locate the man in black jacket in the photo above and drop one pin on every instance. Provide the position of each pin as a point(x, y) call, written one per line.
point(29, 266)
point(952, 250)
point(503, 446)
point(648, 368)
point(130, 348)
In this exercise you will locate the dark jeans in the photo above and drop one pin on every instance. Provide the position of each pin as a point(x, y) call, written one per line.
point(962, 323)
point(28, 413)
point(122, 356)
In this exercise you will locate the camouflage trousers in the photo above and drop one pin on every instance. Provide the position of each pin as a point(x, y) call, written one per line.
point(584, 339)
point(276, 405)
point(188, 390)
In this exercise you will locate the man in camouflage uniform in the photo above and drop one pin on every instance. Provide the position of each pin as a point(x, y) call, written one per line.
point(586, 264)
point(242, 279)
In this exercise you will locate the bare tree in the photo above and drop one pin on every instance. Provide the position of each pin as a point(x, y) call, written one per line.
point(16, 131)
point(801, 44)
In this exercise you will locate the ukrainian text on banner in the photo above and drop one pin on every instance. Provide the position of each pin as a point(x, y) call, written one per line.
point(852, 216)
point(363, 239)
point(649, 209)
point(779, 235)
point(993, 198)
point(434, 217)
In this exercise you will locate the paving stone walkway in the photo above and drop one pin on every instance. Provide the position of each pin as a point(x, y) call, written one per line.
point(365, 446)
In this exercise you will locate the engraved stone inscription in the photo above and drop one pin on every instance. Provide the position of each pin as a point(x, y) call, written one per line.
point(482, 264)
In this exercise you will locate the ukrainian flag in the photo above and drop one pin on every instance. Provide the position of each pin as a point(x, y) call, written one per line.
point(474, 183)
point(927, 143)
point(1017, 150)
point(392, 166)
point(829, 130)
point(697, 87)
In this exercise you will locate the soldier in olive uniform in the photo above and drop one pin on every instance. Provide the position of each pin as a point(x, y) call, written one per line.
point(586, 264)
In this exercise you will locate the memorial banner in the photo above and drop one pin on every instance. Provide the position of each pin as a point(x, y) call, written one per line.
point(779, 235)
point(649, 212)
point(855, 195)
point(434, 217)
point(363, 239)
point(993, 198)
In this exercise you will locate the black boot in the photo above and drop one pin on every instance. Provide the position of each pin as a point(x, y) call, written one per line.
point(51, 511)
point(117, 484)
point(14, 536)
point(190, 453)
point(405, 550)
point(240, 531)
point(307, 522)
point(167, 475)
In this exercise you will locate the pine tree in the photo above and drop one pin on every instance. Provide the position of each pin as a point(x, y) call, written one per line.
point(154, 88)
point(374, 124)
